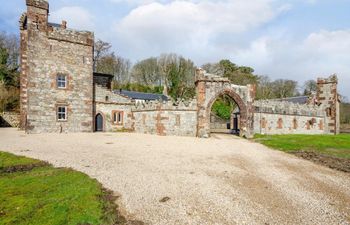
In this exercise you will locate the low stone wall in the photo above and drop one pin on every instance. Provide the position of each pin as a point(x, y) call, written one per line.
point(287, 108)
point(9, 119)
point(267, 123)
point(179, 119)
point(279, 117)
point(217, 122)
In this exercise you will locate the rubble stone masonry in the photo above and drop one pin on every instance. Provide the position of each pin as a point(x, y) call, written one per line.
point(209, 87)
point(327, 96)
point(167, 118)
point(47, 51)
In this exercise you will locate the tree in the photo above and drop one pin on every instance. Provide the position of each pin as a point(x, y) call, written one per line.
point(172, 72)
point(9, 53)
point(310, 87)
point(285, 88)
point(106, 61)
point(147, 72)
point(177, 75)
point(101, 49)
point(107, 64)
point(123, 70)
point(264, 88)
point(241, 75)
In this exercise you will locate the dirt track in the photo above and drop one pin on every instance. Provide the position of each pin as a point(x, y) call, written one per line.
point(179, 180)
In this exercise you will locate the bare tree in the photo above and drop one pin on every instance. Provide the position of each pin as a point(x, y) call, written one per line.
point(285, 88)
point(264, 88)
point(147, 72)
point(123, 70)
point(101, 49)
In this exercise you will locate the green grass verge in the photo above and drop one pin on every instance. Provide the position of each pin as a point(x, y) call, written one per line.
point(47, 195)
point(9, 160)
point(332, 145)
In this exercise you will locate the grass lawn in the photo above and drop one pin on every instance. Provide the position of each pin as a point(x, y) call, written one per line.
point(40, 194)
point(336, 146)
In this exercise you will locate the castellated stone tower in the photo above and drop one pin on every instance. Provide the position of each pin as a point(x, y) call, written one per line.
point(56, 74)
point(327, 96)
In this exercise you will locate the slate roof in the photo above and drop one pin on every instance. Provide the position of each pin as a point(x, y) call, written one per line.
point(54, 25)
point(141, 95)
point(299, 99)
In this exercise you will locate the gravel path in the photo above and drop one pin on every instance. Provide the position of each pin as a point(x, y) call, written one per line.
point(221, 180)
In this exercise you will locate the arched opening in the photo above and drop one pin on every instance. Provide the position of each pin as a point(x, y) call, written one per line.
point(225, 116)
point(235, 112)
point(99, 123)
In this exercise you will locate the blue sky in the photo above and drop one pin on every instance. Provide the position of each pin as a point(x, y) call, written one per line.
point(295, 39)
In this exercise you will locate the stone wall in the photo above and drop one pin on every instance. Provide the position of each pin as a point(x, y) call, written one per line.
point(167, 118)
point(327, 96)
point(217, 123)
point(266, 123)
point(9, 119)
point(278, 117)
point(106, 103)
point(46, 52)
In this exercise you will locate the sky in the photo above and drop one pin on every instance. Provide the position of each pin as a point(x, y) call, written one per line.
point(289, 39)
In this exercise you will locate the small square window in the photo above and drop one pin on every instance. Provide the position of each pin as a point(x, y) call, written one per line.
point(118, 117)
point(61, 81)
point(62, 113)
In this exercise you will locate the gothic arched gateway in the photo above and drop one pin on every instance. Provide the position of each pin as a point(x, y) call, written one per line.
point(209, 88)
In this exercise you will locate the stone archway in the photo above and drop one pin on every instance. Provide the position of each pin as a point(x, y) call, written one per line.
point(209, 87)
point(236, 98)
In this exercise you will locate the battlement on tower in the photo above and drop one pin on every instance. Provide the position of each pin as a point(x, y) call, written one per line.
point(42, 4)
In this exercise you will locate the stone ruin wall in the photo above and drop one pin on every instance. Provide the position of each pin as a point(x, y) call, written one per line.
point(166, 118)
point(278, 117)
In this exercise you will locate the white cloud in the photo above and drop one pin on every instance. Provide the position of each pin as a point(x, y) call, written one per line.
point(135, 2)
point(190, 27)
point(319, 54)
point(77, 17)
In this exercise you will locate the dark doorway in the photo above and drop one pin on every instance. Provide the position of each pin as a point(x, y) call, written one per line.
point(99, 123)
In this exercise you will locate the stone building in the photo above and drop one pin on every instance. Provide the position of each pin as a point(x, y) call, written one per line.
point(56, 74)
point(61, 93)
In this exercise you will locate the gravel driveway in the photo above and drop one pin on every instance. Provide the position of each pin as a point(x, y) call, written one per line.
point(221, 180)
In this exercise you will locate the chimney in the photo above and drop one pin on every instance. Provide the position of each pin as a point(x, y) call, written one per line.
point(64, 24)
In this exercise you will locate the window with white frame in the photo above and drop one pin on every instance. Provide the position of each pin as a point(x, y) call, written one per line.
point(62, 113)
point(118, 117)
point(61, 81)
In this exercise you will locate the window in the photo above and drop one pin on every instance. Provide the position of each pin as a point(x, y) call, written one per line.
point(62, 113)
point(117, 117)
point(61, 81)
